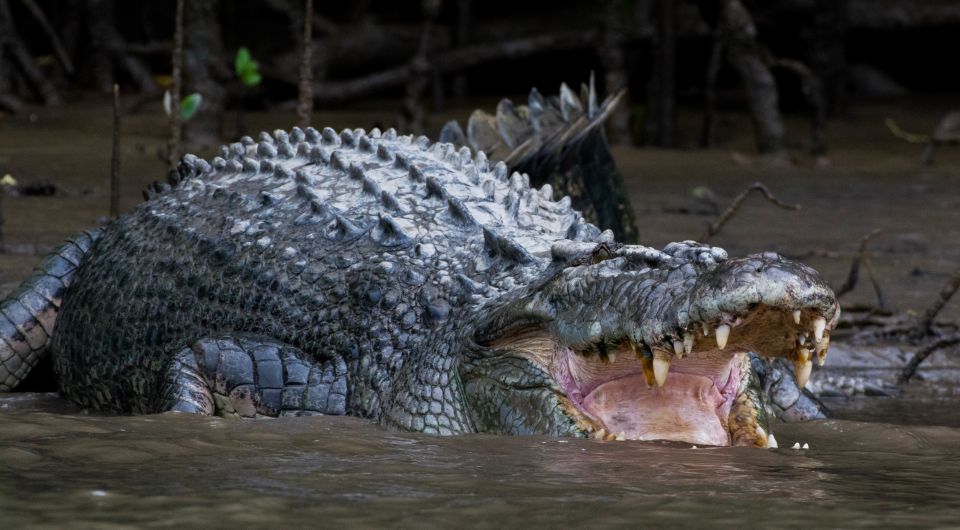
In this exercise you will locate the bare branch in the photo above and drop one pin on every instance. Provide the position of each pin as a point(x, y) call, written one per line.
point(858, 259)
point(55, 41)
point(949, 289)
point(731, 210)
point(450, 61)
point(911, 368)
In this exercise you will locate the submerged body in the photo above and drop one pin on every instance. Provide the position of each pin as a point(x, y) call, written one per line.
point(380, 276)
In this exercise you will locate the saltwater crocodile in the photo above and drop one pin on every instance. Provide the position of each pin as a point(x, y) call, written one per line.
point(383, 276)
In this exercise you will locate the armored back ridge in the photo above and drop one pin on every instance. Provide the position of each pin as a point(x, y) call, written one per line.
point(381, 276)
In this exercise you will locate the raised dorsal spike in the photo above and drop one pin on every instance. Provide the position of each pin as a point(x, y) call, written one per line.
point(500, 171)
point(469, 285)
point(342, 229)
point(319, 155)
point(383, 153)
point(570, 107)
point(452, 133)
point(416, 174)
point(224, 152)
point(490, 189)
point(481, 162)
point(422, 142)
point(281, 136)
point(264, 136)
point(546, 192)
point(303, 150)
point(401, 161)
point(268, 199)
point(311, 135)
point(237, 150)
point(337, 161)
point(375, 132)
point(330, 137)
point(266, 150)
point(370, 186)
point(250, 165)
point(389, 200)
point(219, 163)
point(389, 233)
point(347, 138)
point(285, 150)
point(320, 209)
point(504, 247)
point(511, 203)
point(304, 192)
point(435, 188)
point(297, 135)
point(300, 177)
point(460, 212)
point(268, 167)
point(281, 172)
point(246, 141)
point(356, 172)
point(232, 167)
point(364, 144)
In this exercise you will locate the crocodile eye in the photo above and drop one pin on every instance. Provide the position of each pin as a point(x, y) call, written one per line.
point(600, 254)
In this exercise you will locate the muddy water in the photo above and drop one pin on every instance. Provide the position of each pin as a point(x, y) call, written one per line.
point(891, 462)
point(176, 470)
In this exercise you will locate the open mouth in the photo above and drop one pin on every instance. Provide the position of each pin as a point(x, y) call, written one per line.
point(695, 387)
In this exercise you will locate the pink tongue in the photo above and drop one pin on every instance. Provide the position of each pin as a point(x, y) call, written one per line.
point(684, 409)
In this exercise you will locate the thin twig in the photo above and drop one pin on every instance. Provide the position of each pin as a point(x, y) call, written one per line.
point(58, 47)
point(305, 104)
point(911, 368)
point(173, 148)
point(858, 259)
point(115, 156)
point(731, 210)
point(949, 289)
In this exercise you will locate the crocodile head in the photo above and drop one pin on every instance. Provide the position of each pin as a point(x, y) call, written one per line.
point(629, 342)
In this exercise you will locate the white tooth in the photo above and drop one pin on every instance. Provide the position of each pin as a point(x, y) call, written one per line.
point(772, 442)
point(796, 445)
point(796, 316)
point(706, 330)
point(806, 445)
point(602, 432)
point(661, 366)
point(612, 356)
point(621, 437)
point(723, 333)
point(687, 342)
point(804, 354)
point(803, 339)
point(802, 371)
point(694, 447)
point(678, 347)
point(819, 324)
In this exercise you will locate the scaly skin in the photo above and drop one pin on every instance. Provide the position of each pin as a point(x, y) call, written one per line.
point(379, 276)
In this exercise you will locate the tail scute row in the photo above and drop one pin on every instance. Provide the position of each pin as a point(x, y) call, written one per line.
point(28, 314)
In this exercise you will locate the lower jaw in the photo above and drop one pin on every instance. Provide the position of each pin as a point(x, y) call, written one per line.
point(688, 408)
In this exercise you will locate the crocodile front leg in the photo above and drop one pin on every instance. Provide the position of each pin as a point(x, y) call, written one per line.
point(251, 376)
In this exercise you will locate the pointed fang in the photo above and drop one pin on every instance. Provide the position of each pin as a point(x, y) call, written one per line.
point(802, 370)
point(819, 324)
point(661, 367)
point(796, 316)
point(723, 333)
point(687, 342)
point(771, 442)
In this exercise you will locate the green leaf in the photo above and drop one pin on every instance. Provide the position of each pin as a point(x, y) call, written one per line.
point(242, 62)
point(190, 105)
point(252, 78)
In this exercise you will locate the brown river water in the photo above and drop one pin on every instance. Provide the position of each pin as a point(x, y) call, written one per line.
point(881, 462)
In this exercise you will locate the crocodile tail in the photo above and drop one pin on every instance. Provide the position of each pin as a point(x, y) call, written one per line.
point(28, 314)
point(557, 140)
